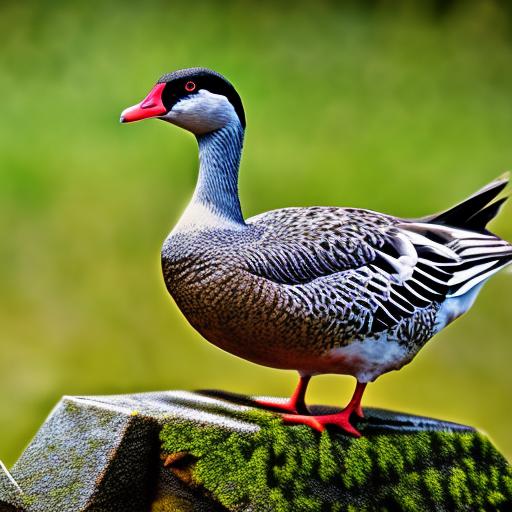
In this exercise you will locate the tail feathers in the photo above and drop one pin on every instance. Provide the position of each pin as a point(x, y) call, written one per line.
point(474, 212)
point(476, 254)
point(479, 220)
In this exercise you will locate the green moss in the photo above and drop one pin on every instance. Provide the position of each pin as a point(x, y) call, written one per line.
point(71, 407)
point(458, 488)
point(507, 484)
point(358, 464)
point(465, 442)
point(70, 493)
point(327, 463)
point(434, 485)
point(95, 444)
point(388, 456)
point(282, 468)
point(409, 494)
point(444, 444)
point(28, 500)
point(496, 498)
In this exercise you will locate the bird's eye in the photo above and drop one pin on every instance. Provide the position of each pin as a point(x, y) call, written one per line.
point(190, 86)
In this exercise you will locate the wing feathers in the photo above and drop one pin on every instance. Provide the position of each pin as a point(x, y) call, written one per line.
point(374, 269)
point(475, 255)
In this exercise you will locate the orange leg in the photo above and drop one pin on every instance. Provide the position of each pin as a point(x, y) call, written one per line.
point(340, 419)
point(296, 404)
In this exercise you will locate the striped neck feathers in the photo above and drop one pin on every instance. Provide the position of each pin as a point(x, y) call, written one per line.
point(215, 202)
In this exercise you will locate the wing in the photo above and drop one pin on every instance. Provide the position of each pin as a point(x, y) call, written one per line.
point(299, 245)
point(379, 267)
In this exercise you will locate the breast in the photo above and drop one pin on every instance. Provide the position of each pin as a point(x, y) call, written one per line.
point(191, 272)
point(233, 309)
point(257, 319)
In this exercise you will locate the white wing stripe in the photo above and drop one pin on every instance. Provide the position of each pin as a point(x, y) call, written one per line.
point(387, 312)
point(435, 265)
point(464, 275)
point(478, 243)
point(403, 308)
point(473, 282)
point(447, 230)
point(441, 249)
point(423, 285)
point(414, 292)
point(432, 278)
point(484, 251)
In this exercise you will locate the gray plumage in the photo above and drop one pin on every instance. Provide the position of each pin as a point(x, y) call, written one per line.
point(294, 284)
point(318, 289)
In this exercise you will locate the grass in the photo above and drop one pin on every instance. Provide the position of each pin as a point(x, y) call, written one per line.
point(387, 108)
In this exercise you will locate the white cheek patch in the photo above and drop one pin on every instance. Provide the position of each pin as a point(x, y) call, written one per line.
point(202, 112)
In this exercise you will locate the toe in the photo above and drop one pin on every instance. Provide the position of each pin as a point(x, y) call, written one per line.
point(298, 419)
point(278, 406)
point(319, 423)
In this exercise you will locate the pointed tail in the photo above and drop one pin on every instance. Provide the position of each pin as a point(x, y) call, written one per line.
point(463, 229)
point(476, 211)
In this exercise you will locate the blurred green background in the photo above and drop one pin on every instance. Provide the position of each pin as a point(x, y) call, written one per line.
point(379, 105)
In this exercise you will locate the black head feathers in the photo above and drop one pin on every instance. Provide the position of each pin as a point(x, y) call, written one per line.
point(187, 81)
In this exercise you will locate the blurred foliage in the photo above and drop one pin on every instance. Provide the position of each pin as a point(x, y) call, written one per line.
point(402, 107)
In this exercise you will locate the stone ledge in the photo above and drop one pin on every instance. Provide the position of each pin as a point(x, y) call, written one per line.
point(214, 451)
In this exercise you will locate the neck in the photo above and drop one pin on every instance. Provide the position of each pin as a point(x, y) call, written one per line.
point(216, 195)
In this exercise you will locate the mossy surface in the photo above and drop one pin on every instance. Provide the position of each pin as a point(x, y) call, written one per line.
point(218, 453)
point(284, 468)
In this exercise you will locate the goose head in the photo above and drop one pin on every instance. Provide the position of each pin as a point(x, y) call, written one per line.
point(196, 99)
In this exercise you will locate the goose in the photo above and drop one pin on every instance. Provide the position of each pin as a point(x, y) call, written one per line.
point(318, 290)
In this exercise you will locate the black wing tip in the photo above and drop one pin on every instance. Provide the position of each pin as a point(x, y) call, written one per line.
point(475, 212)
point(480, 219)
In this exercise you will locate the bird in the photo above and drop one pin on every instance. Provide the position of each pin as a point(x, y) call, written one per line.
point(318, 290)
